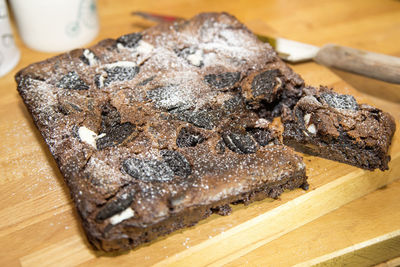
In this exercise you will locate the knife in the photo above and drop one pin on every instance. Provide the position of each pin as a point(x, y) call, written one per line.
point(370, 64)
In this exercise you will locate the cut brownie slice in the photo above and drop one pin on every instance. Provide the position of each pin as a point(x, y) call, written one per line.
point(156, 130)
point(336, 127)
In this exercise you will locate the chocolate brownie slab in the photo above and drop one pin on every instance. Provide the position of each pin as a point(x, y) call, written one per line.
point(336, 127)
point(157, 130)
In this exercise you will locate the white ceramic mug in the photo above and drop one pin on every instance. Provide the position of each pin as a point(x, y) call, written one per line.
point(9, 53)
point(56, 25)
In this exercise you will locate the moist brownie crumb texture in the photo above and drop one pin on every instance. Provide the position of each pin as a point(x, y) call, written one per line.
point(157, 130)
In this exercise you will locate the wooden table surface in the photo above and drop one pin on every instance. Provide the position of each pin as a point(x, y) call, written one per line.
point(342, 220)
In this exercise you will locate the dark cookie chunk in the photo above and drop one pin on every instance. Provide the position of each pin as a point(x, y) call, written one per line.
point(340, 101)
point(191, 55)
point(223, 80)
point(204, 118)
point(167, 97)
point(67, 108)
point(115, 135)
point(115, 132)
point(188, 137)
point(262, 136)
point(148, 170)
point(72, 81)
point(241, 143)
point(223, 210)
point(88, 57)
point(146, 81)
point(220, 147)
point(207, 119)
point(120, 73)
point(130, 40)
point(233, 104)
point(110, 117)
point(115, 206)
point(177, 162)
point(264, 83)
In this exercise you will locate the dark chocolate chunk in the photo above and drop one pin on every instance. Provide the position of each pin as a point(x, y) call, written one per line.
point(262, 136)
point(177, 162)
point(238, 142)
point(115, 206)
point(130, 40)
point(340, 101)
point(72, 81)
point(148, 170)
point(188, 137)
point(264, 83)
point(120, 73)
point(115, 135)
point(223, 80)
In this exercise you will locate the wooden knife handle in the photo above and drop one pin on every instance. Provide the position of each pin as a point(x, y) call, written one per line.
point(374, 65)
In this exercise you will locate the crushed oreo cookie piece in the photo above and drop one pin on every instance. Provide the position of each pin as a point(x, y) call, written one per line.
point(241, 143)
point(72, 81)
point(177, 162)
point(168, 98)
point(340, 101)
point(220, 147)
point(192, 55)
point(207, 119)
point(188, 137)
point(110, 117)
point(120, 72)
point(264, 83)
point(148, 170)
point(115, 135)
point(114, 132)
point(262, 136)
point(115, 206)
point(88, 57)
point(233, 104)
point(130, 40)
point(223, 80)
point(146, 81)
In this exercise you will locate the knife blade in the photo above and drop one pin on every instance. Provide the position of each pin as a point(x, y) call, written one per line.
point(370, 64)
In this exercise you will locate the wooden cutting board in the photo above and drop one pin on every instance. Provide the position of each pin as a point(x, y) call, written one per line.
point(38, 223)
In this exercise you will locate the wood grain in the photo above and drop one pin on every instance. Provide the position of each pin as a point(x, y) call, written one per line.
point(39, 225)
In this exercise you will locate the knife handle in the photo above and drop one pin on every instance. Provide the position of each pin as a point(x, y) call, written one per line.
point(374, 65)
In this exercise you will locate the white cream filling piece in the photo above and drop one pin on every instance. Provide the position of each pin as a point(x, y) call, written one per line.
point(144, 47)
point(123, 64)
point(88, 136)
point(307, 118)
point(90, 57)
point(312, 129)
point(196, 58)
point(123, 215)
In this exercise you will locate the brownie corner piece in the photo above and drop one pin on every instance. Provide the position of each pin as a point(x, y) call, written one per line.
point(334, 126)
